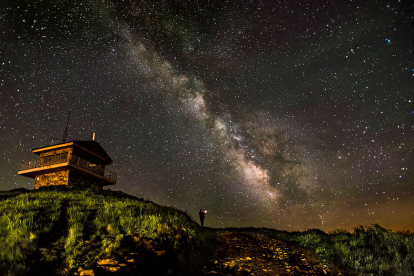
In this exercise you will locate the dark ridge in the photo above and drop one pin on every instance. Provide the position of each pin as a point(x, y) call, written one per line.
point(12, 193)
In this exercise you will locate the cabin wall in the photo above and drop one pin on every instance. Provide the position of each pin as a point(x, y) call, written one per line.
point(95, 164)
point(44, 157)
point(52, 179)
point(87, 156)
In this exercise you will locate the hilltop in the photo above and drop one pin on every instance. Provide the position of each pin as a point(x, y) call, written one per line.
point(83, 231)
point(58, 230)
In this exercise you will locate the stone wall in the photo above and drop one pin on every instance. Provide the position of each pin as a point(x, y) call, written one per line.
point(52, 179)
point(79, 179)
point(66, 178)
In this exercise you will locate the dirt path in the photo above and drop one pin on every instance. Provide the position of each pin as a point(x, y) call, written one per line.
point(241, 253)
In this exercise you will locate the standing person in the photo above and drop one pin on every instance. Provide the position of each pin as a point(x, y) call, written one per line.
point(202, 213)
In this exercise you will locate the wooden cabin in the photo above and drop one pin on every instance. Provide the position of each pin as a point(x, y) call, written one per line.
point(76, 163)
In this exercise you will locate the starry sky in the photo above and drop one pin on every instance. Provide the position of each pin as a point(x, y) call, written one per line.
point(281, 114)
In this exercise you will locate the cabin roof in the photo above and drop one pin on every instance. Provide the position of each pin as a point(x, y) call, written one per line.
point(91, 146)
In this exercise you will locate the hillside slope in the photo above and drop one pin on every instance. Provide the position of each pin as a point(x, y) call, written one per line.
point(58, 230)
point(82, 231)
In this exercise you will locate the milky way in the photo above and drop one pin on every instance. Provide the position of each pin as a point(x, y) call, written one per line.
point(289, 115)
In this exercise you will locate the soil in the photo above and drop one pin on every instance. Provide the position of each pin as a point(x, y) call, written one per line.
point(242, 253)
point(237, 252)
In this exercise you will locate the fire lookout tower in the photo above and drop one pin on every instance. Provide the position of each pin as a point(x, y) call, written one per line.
point(75, 163)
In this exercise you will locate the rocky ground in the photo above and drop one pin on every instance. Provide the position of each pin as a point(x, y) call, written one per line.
point(147, 258)
point(237, 253)
point(240, 253)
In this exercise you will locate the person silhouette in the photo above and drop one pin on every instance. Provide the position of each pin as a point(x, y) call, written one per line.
point(202, 213)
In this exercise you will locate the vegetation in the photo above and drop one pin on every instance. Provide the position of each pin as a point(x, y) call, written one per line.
point(66, 228)
point(370, 250)
point(61, 229)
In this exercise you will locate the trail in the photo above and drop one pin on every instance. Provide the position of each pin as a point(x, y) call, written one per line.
point(242, 253)
point(47, 259)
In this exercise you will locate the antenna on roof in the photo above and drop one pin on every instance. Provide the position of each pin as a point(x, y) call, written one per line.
point(65, 133)
point(54, 141)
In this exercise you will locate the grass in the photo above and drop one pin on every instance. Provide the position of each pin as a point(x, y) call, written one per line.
point(71, 227)
point(62, 229)
point(371, 250)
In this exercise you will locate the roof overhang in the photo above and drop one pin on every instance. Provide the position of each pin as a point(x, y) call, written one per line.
point(38, 151)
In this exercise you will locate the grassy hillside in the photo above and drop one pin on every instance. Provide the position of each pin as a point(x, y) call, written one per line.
point(60, 230)
point(370, 250)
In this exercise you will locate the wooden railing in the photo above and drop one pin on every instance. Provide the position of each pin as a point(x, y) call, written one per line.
point(64, 158)
point(28, 165)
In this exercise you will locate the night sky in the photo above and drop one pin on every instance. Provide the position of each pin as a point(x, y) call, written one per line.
point(281, 114)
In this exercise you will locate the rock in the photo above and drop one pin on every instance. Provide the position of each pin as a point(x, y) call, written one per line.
point(130, 261)
point(111, 268)
point(137, 256)
point(160, 253)
point(87, 273)
point(107, 262)
point(150, 244)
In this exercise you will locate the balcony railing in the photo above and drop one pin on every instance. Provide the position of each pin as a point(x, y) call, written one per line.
point(28, 165)
point(64, 158)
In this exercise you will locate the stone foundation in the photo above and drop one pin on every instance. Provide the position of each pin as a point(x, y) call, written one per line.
point(52, 179)
point(66, 178)
point(78, 179)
